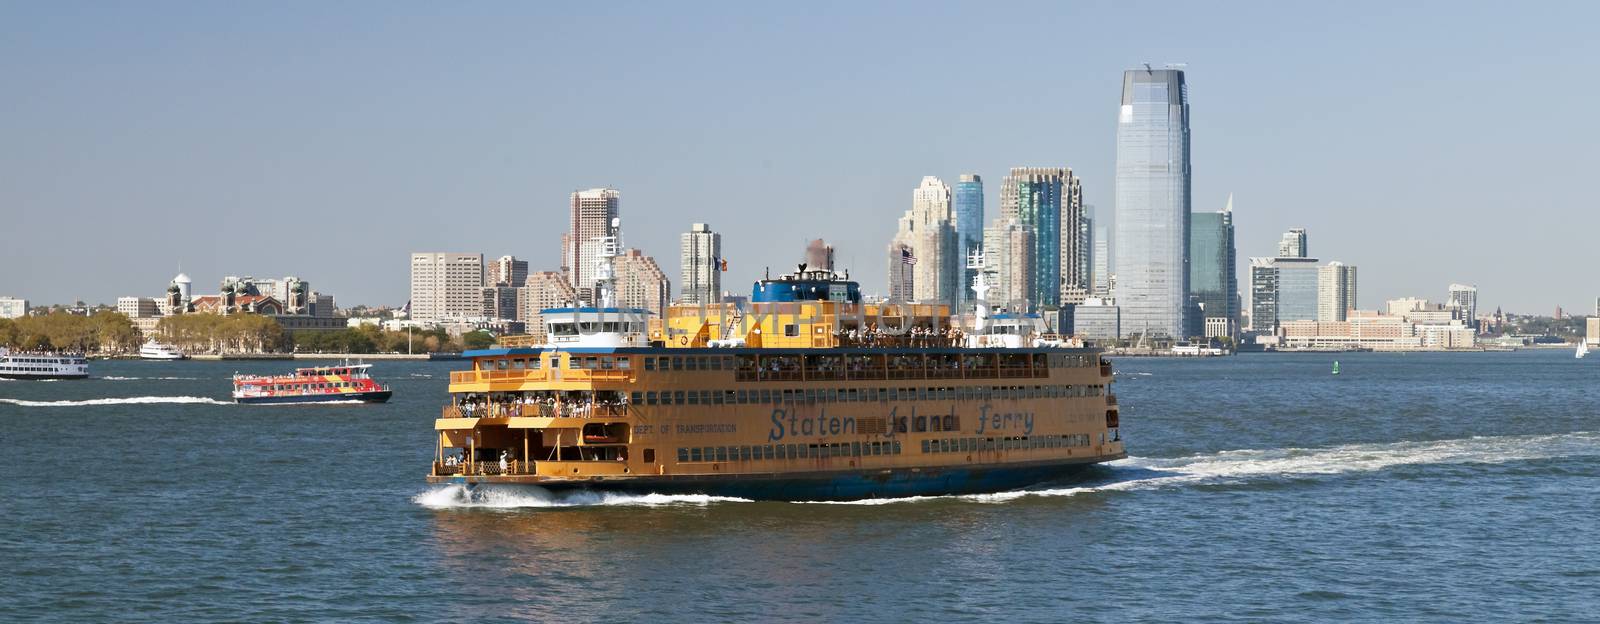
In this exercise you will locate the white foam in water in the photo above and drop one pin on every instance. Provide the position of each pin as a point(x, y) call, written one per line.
point(519, 497)
point(116, 378)
point(119, 401)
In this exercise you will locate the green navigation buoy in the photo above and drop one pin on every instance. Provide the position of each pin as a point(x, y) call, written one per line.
point(1336, 367)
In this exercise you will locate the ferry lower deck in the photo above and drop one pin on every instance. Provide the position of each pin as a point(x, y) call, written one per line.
point(778, 423)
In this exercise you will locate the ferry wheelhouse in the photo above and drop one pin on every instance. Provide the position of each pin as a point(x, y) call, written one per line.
point(317, 384)
point(807, 394)
point(24, 365)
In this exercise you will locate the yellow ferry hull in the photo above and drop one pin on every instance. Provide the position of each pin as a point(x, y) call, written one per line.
point(817, 484)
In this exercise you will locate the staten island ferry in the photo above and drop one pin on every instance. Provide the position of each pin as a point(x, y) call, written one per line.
point(317, 384)
point(807, 394)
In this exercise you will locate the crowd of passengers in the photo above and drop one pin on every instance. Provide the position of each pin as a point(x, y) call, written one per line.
point(918, 336)
point(569, 404)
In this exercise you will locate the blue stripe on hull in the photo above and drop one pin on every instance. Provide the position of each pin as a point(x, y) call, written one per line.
point(844, 486)
point(350, 397)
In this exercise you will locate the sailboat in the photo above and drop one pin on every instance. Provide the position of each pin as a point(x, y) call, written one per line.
point(1583, 349)
point(1336, 367)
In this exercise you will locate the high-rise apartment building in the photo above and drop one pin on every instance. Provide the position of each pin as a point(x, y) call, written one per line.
point(446, 286)
point(902, 260)
point(1299, 284)
point(969, 225)
point(641, 283)
point(1336, 292)
point(508, 271)
point(592, 212)
point(1263, 295)
point(1466, 297)
point(501, 302)
point(929, 229)
point(138, 307)
point(701, 259)
point(1293, 244)
point(1086, 250)
point(1102, 262)
point(1213, 278)
point(819, 255)
point(1152, 235)
point(1008, 249)
point(542, 291)
point(1049, 201)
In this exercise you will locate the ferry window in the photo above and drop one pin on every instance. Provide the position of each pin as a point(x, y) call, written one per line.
point(649, 363)
point(896, 447)
point(791, 330)
point(811, 395)
point(926, 446)
point(677, 396)
point(766, 396)
point(804, 449)
point(650, 456)
point(663, 362)
point(624, 363)
point(650, 398)
point(691, 363)
point(695, 454)
point(677, 363)
point(607, 363)
point(743, 396)
point(729, 397)
point(769, 453)
point(694, 398)
point(683, 454)
point(855, 449)
point(744, 453)
point(716, 397)
point(636, 398)
point(714, 363)
point(722, 453)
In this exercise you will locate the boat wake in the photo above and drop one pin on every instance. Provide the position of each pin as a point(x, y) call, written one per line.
point(116, 378)
point(119, 401)
point(1242, 466)
point(522, 497)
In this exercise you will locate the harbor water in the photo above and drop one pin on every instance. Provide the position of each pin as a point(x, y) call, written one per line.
point(1260, 487)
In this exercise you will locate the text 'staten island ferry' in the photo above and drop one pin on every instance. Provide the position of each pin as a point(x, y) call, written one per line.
point(318, 384)
point(802, 397)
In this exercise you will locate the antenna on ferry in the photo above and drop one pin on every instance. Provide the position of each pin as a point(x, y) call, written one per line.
point(980, 287)
point(605, 295)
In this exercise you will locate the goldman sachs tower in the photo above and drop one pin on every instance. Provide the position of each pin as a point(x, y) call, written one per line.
point(1152, 226)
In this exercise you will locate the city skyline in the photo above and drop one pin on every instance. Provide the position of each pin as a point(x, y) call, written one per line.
point(249, 143)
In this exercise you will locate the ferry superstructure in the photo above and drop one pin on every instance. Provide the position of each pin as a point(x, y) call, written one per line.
point(25, 365)
point(809, 394)
point(153, 350)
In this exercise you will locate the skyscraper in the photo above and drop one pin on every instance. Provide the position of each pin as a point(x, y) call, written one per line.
point(1152, 237)
point(1102, 261)
point(701, 261)
point(509, 271)
point(1299, 285)
point(969, 225)
point(1466, 297)
point(446, 286)
point(1049, 201)
point(902, 278)
point(1086, 249)
point(927, 228)
point(590, 217)
point(1293, 244)
point(1336, 286)
point(1008, 255)
point(1263, 295)
point(1213, 280)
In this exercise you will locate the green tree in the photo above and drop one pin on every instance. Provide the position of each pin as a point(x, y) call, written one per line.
point(477, 340)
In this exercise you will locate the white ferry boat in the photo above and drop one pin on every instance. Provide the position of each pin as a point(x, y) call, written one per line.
point(157, 351)
point(42, 365)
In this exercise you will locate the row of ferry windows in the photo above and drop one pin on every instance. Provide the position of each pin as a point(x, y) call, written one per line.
point(689, 363)
point(315, 386)
point(968, 445)
point(23, 360)
point(787, 451)
point(723, 362)
point(852, 395)
point(28, 369)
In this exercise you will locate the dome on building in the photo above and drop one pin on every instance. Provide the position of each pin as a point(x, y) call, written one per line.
point(182, 278)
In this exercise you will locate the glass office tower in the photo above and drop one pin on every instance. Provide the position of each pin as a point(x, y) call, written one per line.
point(1152, 234)
point(969, 226)
point(1212, 277)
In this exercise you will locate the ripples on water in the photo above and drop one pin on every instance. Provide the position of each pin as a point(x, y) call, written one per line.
point(1419, 487)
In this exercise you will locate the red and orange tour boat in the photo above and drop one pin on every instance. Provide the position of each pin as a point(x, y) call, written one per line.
point(318, 384)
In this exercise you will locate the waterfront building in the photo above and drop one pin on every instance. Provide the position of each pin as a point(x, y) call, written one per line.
point(1336, 291)
point(1008, 248)
point(1298, 287)
point(500, 302)
point(1465, 297)
point(12, 307)
point(641, 283)
point(1365, 329)
point(446, 286)
point(969, 225)
point(819, 255)
point(1096, 319)
point(701, 260)
point(1263, 295)
point(1293, 244)
point(508, 271)
point(591, 215)
point(1049, 201)
point(902, 260)
point(138, 307)
point(1213, 280)
point(1152, 191)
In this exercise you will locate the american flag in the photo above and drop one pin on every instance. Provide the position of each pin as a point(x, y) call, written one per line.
point(906, 257)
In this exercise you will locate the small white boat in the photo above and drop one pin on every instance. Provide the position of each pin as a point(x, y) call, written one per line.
point(157, 351)
point(1583, 349)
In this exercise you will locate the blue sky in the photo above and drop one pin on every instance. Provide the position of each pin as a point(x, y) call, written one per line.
point(1425, 143)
